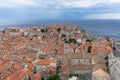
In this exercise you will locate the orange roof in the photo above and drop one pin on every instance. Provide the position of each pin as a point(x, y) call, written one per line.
point(28, 72)
point(1, 67)
point(53, 59)
point(43, 62)
point(17, 66)
point(105, 41)
point(19, 45)
point(27, 60)
point(25, 40)
point(101, 51)
point(25, 72)
point(61, 52)
point(4, 66)
point(12, 70)
point(21, 75)
point(31, 56)
point(12, 77)
point(50, 68)
point(109, 47)
point(5, 74)
point(37, 75)
point(47, 49)
point(30, 66)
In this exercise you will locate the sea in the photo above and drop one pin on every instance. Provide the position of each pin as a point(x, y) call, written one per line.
point(109, 28)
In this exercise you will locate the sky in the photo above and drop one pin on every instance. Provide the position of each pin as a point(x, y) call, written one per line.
point(19, 10)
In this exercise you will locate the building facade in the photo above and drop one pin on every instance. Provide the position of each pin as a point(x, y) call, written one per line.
point(114, 62)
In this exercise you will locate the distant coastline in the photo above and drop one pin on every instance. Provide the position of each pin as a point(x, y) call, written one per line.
point(98, 27)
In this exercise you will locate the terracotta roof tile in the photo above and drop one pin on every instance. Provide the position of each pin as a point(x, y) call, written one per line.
point(37, 75)
point(17, 66)
point(30, 66)
point(12, 77)
point(43, 62)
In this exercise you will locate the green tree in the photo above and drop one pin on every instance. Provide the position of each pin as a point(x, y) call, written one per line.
point(42, 30)
point(71, 75)
point(88, 40)
point(59, 29)
point(42, 79)
point(71, 40)
point(63, 35)
point(54, 77)
point(89, 49)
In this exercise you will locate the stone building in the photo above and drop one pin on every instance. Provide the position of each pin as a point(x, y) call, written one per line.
point(77, 63)
point(100, 75)
point(13, 30)
point(114, 62)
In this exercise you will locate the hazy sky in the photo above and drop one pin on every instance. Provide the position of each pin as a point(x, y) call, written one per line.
point(11, 10)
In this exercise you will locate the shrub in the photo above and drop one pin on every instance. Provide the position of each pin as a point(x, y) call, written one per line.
point(71, 75)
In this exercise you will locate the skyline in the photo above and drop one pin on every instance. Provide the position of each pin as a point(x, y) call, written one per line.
point(23, 10)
